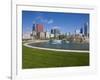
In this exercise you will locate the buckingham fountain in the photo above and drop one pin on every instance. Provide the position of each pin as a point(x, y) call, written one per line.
point(55, 41)
point(63, 44)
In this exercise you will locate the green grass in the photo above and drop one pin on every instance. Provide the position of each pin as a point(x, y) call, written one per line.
point(37, 58)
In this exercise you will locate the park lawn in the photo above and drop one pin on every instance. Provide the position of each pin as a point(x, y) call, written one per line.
point(38, 58)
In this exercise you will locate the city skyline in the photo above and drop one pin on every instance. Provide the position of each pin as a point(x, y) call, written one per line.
point(66, 22)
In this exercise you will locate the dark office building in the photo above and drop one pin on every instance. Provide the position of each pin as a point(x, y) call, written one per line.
point(81, 30)
point(34, 27)
point(55, 31)
point(52, 31)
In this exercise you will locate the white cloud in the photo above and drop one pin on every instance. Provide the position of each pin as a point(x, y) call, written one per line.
point(50, 21)
point(43, 20)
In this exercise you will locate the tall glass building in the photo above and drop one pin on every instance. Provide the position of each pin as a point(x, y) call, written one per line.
point(86, 29)
point(34, 27)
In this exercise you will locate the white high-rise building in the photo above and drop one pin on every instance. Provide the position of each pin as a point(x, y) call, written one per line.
point(41, 35)
point(47, 35)
point(26, 35)
point(86, 29)
point(34, 35)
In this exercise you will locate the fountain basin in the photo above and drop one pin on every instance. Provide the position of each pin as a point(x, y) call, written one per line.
point(55, 41)
point(61, 44)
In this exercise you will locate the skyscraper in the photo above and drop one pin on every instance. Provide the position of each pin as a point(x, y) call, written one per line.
point(86, 29)
point(34, 27)
point(81, 30)
point(37, 31)
point(34, 31)
point(55, 32)
point(52, 31)
point(39, 28)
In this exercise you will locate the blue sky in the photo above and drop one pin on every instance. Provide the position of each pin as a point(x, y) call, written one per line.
point(66, 22)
